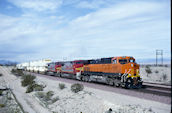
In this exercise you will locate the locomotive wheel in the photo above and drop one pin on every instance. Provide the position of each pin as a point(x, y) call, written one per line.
point(139, 85)
point(109, 82)
point(117, 84)
point(60, 74)
point(87, 78)
point(82, 78)
point(129, 84)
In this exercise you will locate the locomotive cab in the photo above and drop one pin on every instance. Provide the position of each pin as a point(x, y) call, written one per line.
point(130, 72)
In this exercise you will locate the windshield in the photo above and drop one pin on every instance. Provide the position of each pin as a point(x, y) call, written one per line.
point(79, 62)
point(122, 61)
point(131, 60)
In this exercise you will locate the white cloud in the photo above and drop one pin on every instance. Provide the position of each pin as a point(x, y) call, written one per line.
point(37, 5)
point(95, 4)
point(128, 28)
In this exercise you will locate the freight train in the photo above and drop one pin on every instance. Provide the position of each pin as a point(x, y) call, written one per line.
point(118, 71)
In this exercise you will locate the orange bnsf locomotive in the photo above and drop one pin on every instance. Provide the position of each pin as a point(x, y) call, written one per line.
point(117, 71)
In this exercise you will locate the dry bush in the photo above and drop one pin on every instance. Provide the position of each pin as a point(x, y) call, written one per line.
point(164, 76)
point(49, 94)
point(34, 87)
point(13, 71)
point(61, 85)
point(38, 87)
point(77, 87)
point(147, 66)
point(40, 94)
point(156, 71)
point(148, 70)
point(55, 99)
point(27, 80)
point(47, 97)
point(17, 72)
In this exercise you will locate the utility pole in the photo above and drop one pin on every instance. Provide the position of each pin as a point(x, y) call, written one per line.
point(159, 52)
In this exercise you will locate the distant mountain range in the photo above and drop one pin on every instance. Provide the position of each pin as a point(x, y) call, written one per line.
point(153, 61)
point(7, 62)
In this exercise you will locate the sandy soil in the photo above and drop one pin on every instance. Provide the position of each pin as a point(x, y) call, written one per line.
point(158, 74)
point(89, 100)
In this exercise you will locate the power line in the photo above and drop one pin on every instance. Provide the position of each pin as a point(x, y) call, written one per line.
point(159, 53)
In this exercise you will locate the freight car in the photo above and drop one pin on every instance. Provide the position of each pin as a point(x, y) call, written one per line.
point(39, 66)
point(118, 71)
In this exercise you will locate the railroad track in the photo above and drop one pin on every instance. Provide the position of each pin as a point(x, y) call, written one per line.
point(156, 89)
point(157, 84)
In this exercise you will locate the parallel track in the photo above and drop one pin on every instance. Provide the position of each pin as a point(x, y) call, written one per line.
point(156, 89)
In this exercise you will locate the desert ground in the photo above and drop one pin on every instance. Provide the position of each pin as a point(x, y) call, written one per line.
point(156, 74)
point(89, 100)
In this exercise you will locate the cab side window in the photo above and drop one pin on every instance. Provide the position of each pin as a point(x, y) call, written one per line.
point(114, 61)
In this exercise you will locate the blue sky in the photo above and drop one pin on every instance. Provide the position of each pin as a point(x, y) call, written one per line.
point(83, 29)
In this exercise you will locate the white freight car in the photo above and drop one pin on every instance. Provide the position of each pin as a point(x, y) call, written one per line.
point(39, 66)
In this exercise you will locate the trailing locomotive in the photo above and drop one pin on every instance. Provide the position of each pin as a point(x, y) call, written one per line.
point(118, 71)
point(65, 69)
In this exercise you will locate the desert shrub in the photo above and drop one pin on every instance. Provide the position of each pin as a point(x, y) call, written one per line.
point(148, 70)
point(47, 97)
point(77, 87)
point(41, 94)
point(61, 85)
point(13, 71)
point(147, 66)
point(156, 71)
point(34, 87)
point(17, 72)
point(164, 76)
point(50, 93)
point(1, 91)
point(55, 99)
point(20, 73)
point(150, 109)
point(1, 74)
point(2, 105)
point(29, 89)
point(38, 87)
point(27, 80)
